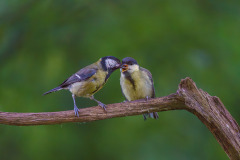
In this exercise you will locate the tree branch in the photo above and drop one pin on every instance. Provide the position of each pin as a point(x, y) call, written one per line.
point(171, 102)
point(210, 110)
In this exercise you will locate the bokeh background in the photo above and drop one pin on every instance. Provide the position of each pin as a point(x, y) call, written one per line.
point(44, 42)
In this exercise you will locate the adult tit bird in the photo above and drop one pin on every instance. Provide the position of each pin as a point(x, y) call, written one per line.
point(90, 79)
point(136, 83)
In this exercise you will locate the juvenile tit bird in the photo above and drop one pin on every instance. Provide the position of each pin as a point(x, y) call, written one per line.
point(136, 83)
point(90, 79)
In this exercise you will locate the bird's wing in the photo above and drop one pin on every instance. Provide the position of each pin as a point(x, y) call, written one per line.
point(81, 75)
point(150, 76)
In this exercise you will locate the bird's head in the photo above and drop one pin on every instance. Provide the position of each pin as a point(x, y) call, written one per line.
point(129, 65)
point(110, 63)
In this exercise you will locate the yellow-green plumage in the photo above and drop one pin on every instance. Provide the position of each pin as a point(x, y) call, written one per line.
point(142, 87)
point(136, 83)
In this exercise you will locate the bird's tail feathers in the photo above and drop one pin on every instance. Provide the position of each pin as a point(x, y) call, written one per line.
point(53, 90)
point(153, 115)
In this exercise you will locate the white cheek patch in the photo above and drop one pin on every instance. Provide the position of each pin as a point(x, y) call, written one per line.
point(110, 63)
point(133, 68)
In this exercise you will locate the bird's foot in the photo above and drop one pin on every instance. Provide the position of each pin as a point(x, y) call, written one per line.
point(124, 101)
point(102, 105)
point(99, 103)
point(76, 110)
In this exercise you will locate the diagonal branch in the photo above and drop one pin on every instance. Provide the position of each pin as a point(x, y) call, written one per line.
point(210, 110)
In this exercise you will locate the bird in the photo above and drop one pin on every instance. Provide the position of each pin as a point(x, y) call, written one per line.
point(136, 83)
point(90, 79)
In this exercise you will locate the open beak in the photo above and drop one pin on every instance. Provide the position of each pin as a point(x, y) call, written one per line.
point(124, 67)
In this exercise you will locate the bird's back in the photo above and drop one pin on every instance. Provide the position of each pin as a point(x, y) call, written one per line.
point(90, 86)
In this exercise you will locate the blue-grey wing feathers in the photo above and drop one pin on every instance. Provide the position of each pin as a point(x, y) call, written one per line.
point(150, 76)
point(154, 114)
point(81, 75)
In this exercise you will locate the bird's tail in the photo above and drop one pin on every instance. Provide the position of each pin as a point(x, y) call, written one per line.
point(53, 90)
point(150, 115)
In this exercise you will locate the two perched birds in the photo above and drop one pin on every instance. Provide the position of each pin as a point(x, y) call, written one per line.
point(136, 82)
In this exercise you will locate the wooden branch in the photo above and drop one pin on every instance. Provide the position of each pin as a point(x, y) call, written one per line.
point(210, 110)
point(171, 102)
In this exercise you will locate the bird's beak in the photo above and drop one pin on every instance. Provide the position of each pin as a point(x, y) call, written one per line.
point(124, 67)
point(117, 66)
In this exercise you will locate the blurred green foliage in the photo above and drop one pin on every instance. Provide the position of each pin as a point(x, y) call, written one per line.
point(44, 42)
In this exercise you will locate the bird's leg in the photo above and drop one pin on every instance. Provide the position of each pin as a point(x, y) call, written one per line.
point(151, 115)
point(99, 103)
point(76, 110)
point(147, 98)
point(145, 117)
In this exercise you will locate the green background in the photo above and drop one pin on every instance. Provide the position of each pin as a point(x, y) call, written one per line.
point(43, 42)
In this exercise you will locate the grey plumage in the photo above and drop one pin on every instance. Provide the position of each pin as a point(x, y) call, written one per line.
point(53, 90)
point(154, 114)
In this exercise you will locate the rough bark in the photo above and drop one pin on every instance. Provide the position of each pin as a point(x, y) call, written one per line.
point(209, 109)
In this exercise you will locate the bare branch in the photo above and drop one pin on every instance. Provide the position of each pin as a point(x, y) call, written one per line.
point(171, 102)
point(210, 110)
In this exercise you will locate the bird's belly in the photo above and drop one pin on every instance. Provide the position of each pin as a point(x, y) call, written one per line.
point(140, 91)
point(85, 89)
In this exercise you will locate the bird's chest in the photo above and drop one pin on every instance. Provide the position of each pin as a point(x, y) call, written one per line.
point(135, 86)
